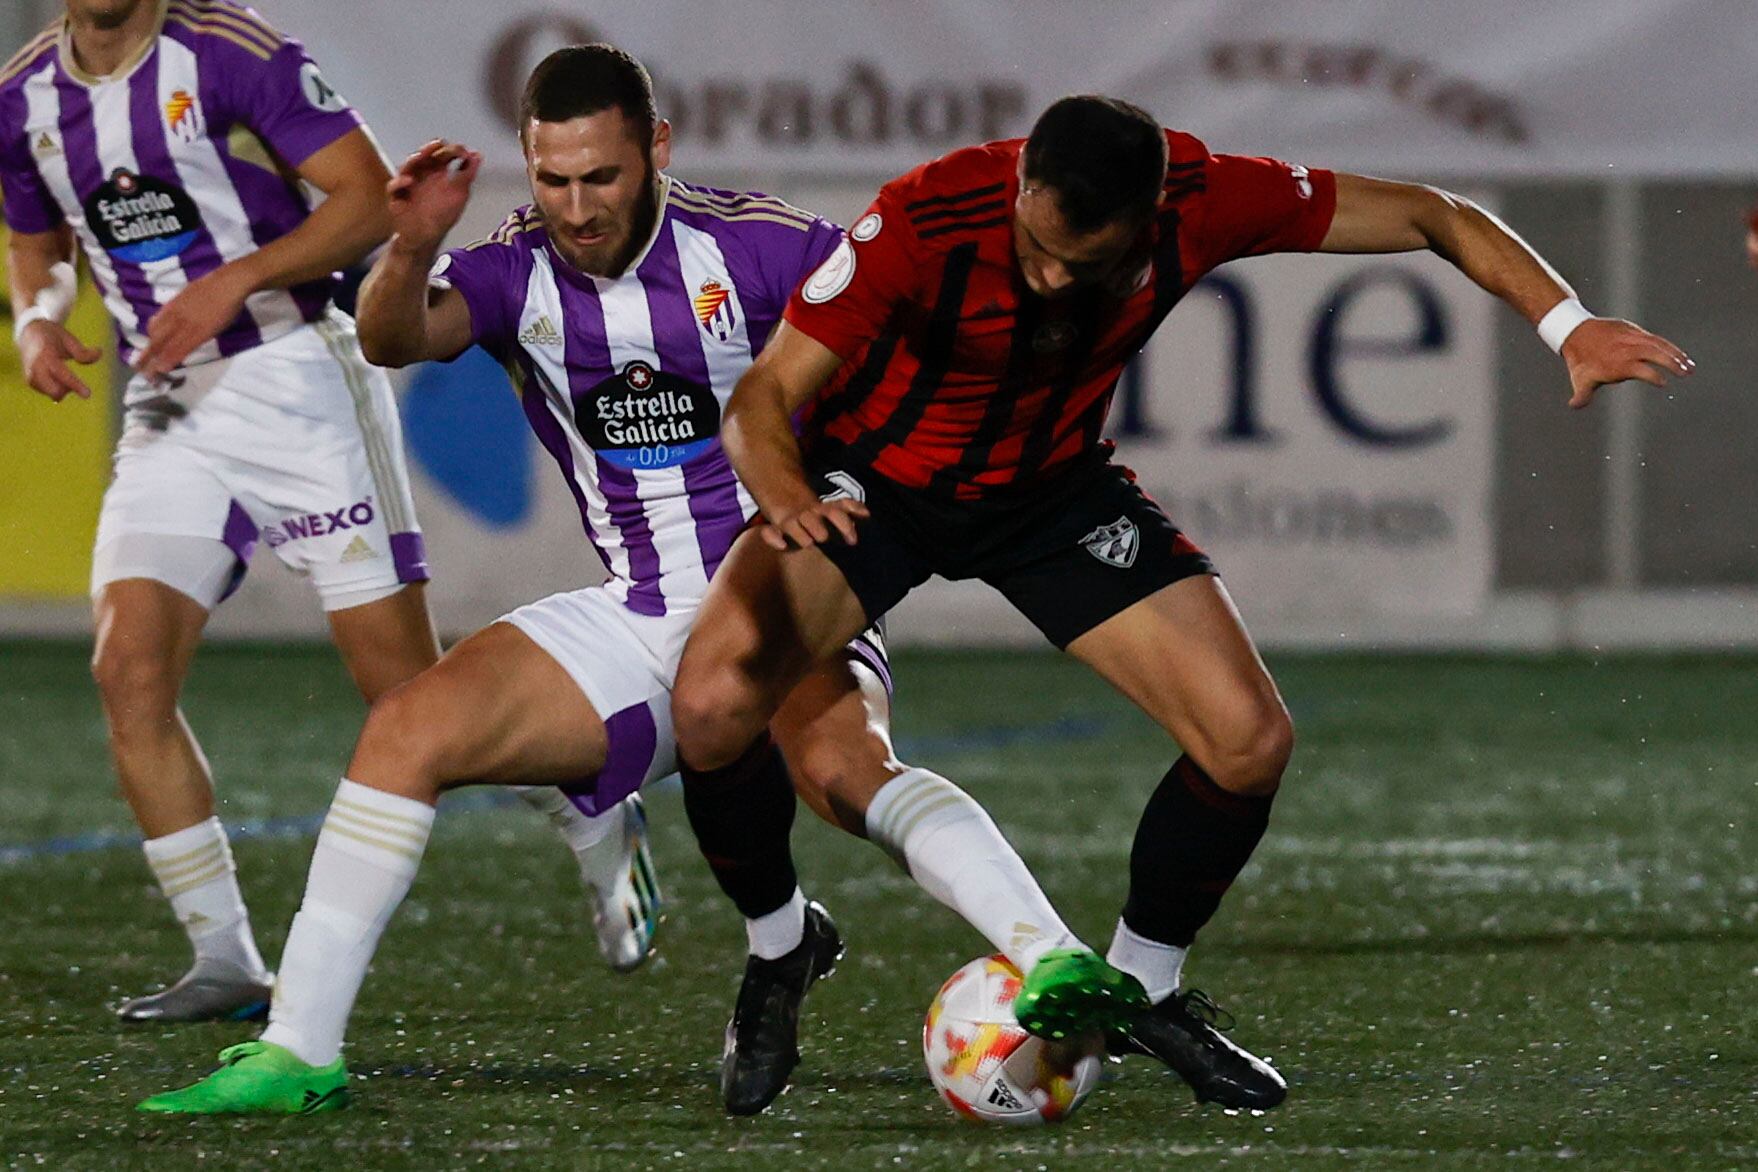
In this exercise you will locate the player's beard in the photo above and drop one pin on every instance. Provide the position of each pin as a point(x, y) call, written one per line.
point(611, 258)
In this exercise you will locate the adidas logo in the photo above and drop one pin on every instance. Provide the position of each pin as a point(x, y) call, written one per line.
point(541, 332)
point(45, 146)
point(1001, 1095)
point(358, 551)
point(1023, 934)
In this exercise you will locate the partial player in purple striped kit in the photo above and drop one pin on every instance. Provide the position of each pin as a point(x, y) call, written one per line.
point(170, 166)
point(169, 140)
point(624, 379)
point(628, 304)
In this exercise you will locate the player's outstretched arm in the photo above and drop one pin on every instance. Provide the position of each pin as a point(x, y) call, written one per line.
point(758, 434)
point(1376, 215)
point(40, 266)
point(341, 231)
point(401, 320)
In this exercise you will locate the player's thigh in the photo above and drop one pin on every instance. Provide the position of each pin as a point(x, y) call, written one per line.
point(767, 619)
point(834, 729)
point(1183, 656)
point(496, 708)
point(387, 641)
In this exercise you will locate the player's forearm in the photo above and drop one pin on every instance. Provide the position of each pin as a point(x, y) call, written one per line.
point(339, 233)
point(758, 435)
point(392, 308)
point(1493, 255)
point(30, 265)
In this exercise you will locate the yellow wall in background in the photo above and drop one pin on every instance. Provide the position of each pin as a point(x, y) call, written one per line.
point(54, 463)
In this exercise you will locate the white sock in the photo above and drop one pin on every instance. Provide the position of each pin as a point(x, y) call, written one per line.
point(1159, 967)
point(195, 871)
point(779, 932)
point(950, 845)
point(581, 831)
point(366, 858)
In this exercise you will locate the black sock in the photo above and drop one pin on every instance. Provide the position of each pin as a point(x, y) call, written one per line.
point(743, 815)
point(1193, 840)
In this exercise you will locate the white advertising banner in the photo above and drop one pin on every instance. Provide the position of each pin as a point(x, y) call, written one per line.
point(1324, 427)
point(835, 87)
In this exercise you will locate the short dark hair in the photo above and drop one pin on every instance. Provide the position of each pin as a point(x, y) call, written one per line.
point(1104, 158)
point(578, 80)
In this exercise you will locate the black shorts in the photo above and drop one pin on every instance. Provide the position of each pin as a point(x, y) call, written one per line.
point(1068, 554)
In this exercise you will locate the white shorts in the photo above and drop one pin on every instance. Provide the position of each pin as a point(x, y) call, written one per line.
point(625, 664)
point(295, 443)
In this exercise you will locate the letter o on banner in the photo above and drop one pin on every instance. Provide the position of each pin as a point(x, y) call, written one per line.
point(509, 59)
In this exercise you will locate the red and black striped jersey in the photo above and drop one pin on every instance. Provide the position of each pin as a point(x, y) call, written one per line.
point(957, 380)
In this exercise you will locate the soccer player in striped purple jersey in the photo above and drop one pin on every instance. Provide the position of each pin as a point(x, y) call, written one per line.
point(168, 140)
point(627, 303)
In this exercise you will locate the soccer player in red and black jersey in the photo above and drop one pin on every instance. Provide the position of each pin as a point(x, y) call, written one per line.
point(959, 353)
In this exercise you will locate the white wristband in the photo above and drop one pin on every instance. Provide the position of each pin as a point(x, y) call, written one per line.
point(1555, 327)
point(33, 314)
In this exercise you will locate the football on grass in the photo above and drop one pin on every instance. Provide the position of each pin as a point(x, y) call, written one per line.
point(986, 1066)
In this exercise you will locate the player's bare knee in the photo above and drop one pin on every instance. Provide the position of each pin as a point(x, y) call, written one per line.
point(405, 745)
point(135, 684)
point(711, 719)
point(1252, 755)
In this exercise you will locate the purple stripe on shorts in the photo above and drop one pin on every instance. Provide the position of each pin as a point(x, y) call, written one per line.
point(151, 152)
point(711, 488)
point(586, 349)
point(409, 555)
point(631, 739)
point(239, 534)
point(860, 649)
point(79, 139)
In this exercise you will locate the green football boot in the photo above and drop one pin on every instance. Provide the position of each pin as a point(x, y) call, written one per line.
point(258, 1078)
point(1074, 991)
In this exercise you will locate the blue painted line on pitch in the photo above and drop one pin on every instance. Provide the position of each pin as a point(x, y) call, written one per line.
point(1068, 728)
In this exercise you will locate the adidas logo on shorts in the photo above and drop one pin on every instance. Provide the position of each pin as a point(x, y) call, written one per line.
point(541, 332)
point(358, 551)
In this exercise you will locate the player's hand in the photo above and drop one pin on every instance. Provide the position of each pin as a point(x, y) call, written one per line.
point(44, 350)
point(429, 191)
point(814, 524)
point(192, 318)
point(1605, 350)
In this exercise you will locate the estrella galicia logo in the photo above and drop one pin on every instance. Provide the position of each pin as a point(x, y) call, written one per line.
point(138, 218)
point(647, 418)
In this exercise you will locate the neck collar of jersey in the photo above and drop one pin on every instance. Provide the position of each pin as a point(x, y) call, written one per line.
point(70, 62)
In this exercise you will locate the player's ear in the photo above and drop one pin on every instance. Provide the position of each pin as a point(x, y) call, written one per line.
point(662, 145)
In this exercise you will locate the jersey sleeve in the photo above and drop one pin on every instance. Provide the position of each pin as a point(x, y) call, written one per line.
point(25, 201)
point(876, 266)
point(480, 274)
point(1252, 206)
point(290, 105)
point(790, 258)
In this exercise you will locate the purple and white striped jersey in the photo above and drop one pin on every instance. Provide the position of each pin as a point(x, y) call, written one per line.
point(179, 162)
point(624, 380)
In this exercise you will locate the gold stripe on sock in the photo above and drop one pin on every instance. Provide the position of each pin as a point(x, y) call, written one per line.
point(402, 836)
point(920, 790)
point(372, 817)
point(922, 812)
point(373, 841)
point(172, 874)
point(190, 883)
point(179, 860)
